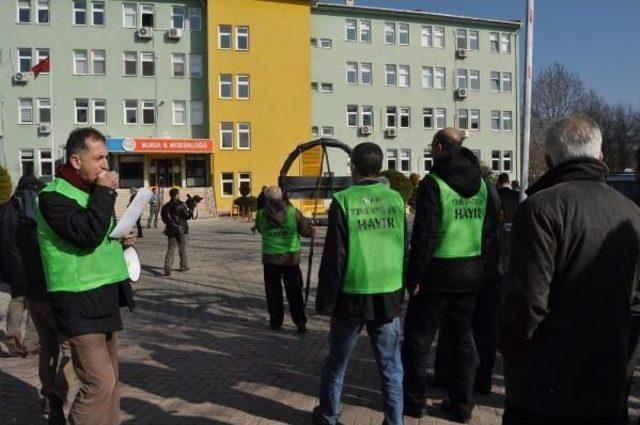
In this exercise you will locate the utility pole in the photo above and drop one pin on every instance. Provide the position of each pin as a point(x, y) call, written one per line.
point(526, 139)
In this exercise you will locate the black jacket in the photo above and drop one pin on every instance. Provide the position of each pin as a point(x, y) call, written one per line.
point(462, 172)
point(509, 199)
point(564, 322)
point(174, 215)
point(330, 300)
point(97, 310)
point(11, 267)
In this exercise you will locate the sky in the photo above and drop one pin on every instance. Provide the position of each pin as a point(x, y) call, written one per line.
point(598, 39)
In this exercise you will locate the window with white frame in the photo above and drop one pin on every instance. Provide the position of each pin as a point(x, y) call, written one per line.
point(405, 160)
point(495, 81)
point(366, 76)
point(326, 87)
point(97, 13)
point(45, 162)
point(403, 34)
point(226, 135)
point(405, 117)
point(506, 82)
point(130, 111)
point(314, 131)
point(366, 117)
point(81, 111)
point(507, 161)
point(427, 77)
point(439, 80)
point(195, 66)
point(441, 118)
point(224, 37)
point(244, 135)
point(99, 111)
point(365, 31)
point(427, 117)
point(25, 110)
point(474, 40)
point(148, 64)
point(427, 161)
point(178, 65)
point(474, 80)
point(24, 11)
point(463, 119)
point(352, 115)
point(351, 30)
point(390, 72)
point(225, 84)
point(426, 36)
point(26, 162)
point(196, 112)
point(495, 160)
point(244, 183)
point(148, 112)
point(179, 112)
point(130, 63)
point(438, 37)
point(242, 38)
point(352, 72)
point(177, 16)
point(392, 159)
point(42, 54)
point(226, 181)
point(505, 43)
point(461, 81)
point(404, 78)
point(79, 12)
point(24, 60)
point(496, 121)
point(80, 62)
point(391, 116)
point(147, 15)
point(98, 62)
point(389, 33)
point(474, 119)
point(494, 42)
point(327, 131)
point(129, 15)
point(326, 43)
point(461, 39)
point(242, 86)
point(507, 120)
point(43, 13)
point(195, 19)
point(44, 110)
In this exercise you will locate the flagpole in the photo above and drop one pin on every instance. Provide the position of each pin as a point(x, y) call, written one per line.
point(51, 110)
point(526, 140)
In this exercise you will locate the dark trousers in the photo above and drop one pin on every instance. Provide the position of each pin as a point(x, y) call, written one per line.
point(516, 415)
point(179, 242)
point(425, 312)
point(139, 226)
point(292, 277)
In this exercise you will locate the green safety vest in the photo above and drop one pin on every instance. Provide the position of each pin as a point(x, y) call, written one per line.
point(70, 268)
point(461, 221)
point(375, 222)
point(279, 239)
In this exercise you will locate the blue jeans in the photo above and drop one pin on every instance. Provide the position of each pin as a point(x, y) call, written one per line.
point(385, 341)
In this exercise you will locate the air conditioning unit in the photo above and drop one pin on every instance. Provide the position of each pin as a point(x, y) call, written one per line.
point(391, 132)
point(44, 128)
point(175, 33)
point(365, 130)
point(462, 93)
point(464, 133)
point(145, 32)
point(21, 77)
point(461, 53)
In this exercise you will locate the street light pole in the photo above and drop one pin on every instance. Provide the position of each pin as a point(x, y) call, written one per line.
point(526, 140)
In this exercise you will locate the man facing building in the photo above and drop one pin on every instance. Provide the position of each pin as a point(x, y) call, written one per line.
point(174, 215)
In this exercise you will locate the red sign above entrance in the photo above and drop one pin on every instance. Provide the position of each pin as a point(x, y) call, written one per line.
point(173, 145)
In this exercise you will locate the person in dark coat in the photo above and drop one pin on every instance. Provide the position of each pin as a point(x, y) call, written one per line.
point(565, 319)
point(133, 192)
point(174, 215)
point(509, 199)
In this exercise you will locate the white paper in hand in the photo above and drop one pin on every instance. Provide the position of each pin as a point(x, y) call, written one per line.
point(132, 214)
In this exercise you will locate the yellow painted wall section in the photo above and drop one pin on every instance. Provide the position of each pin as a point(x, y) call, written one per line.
point(279, 108)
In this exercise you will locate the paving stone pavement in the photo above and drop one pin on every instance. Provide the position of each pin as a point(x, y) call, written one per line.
point(197, 350)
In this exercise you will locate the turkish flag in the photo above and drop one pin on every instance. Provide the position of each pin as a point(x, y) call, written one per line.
point(43, 66)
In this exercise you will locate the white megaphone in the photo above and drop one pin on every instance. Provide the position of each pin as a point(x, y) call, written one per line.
point(133, 263)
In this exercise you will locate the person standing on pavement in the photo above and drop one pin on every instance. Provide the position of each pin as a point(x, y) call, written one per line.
point(154, 204)
point(361, 283)
point(451, 234)
point(565, 319)
point(86, 273)
point(174, 215)
point(281, 226)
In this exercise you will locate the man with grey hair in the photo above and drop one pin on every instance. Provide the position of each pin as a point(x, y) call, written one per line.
point(281, 225)
point(564, 326)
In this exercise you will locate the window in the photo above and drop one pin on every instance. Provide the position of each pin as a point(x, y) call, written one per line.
point(244, 182)
point(130, 111)
point(462, 79)
point(365, 31)
point(350, 30)
point(405, 160)
point(195, 66)
point(314, 131)
point(227, 185)
point(148, 61)
point(494, 44)
point(495, 161)
point(177, 17)
point(427, 117)
point(25, 115)
point(440, 82)
point(97, 13)
point(405, 117)
point(79, 12)
point(327, 131)
point(326, 43)
point(43, 16)
point(244, 135)
point(195, 19)
point(352, 73)
point(197, 170)
point(389, 33)
point(242, 86)
point(474, 40)
point(179, 112)
point(130, 63)
point(392, 159)
point(224, 37)
point(242, 38)
point(495, 81)
point(367, 116)
point(44, 111)
point(24, 60)
point(148, 112)
point(24, 11)
point(80, 65)
point(427, 159)
point(314, 42)
point(390, 75)
point(474, 119)
point(474, 80)
point(178, 65)
point(82, 111)
point(391, 117)
point(226, 135)
point(496, 122)
point(441, 118)
point(147, 15)
point(197, 112)
point(314, 86)
point(505, 43)
point(26, 162)
point(463, 118)
point(352, 115)
point(42, 54)
point(45, 162)
point(507, 121)
point(129, 15)
point(461, 39)
point(403, 34)
point(427, 77)
point(438, 37)
point(426, 36)
point(506, 161)
point(366, 77)
point(506, 81)
point(99, 62)
point(99, 111)
point(326, 87)
point(403, 76)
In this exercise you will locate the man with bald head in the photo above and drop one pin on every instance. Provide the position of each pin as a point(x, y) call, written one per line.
point(452, 229)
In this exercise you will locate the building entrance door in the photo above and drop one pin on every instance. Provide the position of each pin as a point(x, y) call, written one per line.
point(165, 172)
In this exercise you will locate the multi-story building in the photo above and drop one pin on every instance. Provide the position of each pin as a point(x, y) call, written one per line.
point(394, 77)
point(136, 71)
